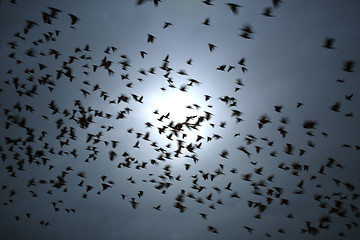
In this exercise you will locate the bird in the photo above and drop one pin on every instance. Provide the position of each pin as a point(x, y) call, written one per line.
point(268, 12)
point(203, 215)
point(208, 2)
point(278, 108)
point(167, 24)
point(212, 229)
point(234, 7)
point(335, 107)
point(54, 12)
point(289, 149)
point(157, 207)
point(156, 2)
point(276, 3)
point(247, 28)
point(74, 19)
point(348, 66)
point(134, 204)
point(150, 38)
point(211, 47)
point(142, 54)
point(349, 97)
point(206, 22)
point(328, 43)
point(249, 229)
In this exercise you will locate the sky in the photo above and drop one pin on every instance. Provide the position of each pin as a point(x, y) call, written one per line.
point(120, 121)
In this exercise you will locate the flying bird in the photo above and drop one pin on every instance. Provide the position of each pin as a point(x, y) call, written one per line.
point(329, 42)
point(206, 22)
point(208, 2)
point(140, 2)
point(167, 24)
point(348, 66)
point(74, 19)
point(211, 47)
point(234, 7)
point(150, 38)
point(268, 12)
point(335, 107)
point(276, 3)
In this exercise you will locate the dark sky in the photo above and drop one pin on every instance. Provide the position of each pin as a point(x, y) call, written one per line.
point(259, 135)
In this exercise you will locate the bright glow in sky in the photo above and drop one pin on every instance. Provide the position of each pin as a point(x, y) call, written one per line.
point(176, 103)
point(180, 106)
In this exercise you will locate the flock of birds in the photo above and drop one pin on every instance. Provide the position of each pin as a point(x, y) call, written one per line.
point(88, 132)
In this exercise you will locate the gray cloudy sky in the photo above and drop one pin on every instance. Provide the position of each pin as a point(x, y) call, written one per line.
point(285, 64)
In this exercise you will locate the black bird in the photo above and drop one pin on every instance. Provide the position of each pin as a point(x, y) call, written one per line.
point(133, 203)
point(249, 229)
point(212, 229)
point(211, 47)
point(234, 7)
point(278, 108)
point(167, 24)
point(276, 3)
point(203, 215)
point(299, 105)
point(143, 53)
point(268, 12)
point(208, 2)
point(329, 43)
point(289, 149)
point(140, 2)
point(348, 66)
point(335, 107)
point(247, 28)
point(157, 207)
point(150, 38)
point(46, 18)
point(74, 19)
point(54, 12)
point(206, 22)
point(29, 25)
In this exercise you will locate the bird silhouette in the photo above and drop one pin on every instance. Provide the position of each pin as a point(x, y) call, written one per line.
point(206, 22)
point(348, 66)
point(150, 38)
point(211, 47)
point(74, 19)
point(268, 12)
point(167, 24)
point(234, 7)
point(208, 2)
point(329, 42)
